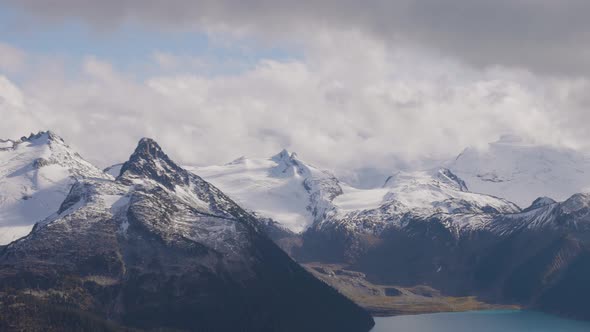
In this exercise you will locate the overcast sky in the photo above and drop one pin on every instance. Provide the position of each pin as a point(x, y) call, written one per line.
point(346, 84)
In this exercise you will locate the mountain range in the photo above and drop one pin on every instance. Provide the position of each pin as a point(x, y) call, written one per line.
point(148, 244)
point(454, 228)
point(157, 248)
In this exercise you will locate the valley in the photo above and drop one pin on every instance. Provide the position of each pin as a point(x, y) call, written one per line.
point(392, 300)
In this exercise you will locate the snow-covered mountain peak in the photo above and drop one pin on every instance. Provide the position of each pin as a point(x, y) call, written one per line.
point(540, 202)
point(42, 150)
point(289, 165)
point(521, 171)
point(36, 174)
point(40, 138)
point(577, 203)
point(420, 193)
point(50, 149)
point(44, 137)
point(283, 187)
point(283, 155)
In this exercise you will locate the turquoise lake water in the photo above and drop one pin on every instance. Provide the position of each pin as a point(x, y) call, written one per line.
point(480, 321)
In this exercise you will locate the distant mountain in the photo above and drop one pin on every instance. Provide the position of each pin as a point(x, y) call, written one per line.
point(36, 174)
point(297, 195)
point(283, 188)
point(520, 171)
point(364, 214)
point(420, 193)
point(330, 215)
point(160, 248)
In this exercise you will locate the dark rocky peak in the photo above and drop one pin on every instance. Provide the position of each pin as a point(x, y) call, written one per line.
point(540, 202)
point(148, 161)
point(147, 148)
point(288, 165)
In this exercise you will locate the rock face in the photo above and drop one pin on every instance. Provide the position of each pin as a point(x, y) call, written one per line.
point(36, 174)
point(160, 248)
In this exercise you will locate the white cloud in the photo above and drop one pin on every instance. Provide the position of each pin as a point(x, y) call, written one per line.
point(545, 36)
point(350, 102)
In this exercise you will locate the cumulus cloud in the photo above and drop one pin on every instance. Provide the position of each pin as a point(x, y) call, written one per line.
point(350, 102)
point(375, 83)
point(544, 36)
